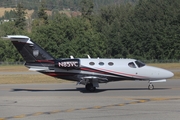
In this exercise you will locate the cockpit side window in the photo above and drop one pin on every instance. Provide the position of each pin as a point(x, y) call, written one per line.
point(139, 63)
point(132, 65)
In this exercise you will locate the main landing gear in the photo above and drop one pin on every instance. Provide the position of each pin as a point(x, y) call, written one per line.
point(151, 86)
point(90, 87)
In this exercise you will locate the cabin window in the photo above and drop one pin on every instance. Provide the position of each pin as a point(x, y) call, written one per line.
point(132, 65)
point(91, 63)
point(101, 63)
point(110, 63)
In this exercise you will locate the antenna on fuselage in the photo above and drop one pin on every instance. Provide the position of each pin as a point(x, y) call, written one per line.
point(88, 56)
point(71, 57)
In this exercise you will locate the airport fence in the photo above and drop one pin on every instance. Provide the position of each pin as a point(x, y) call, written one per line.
point(162, 61)
point(11, 63)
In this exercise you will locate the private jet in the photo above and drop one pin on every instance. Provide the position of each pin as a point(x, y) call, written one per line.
point(86, 71)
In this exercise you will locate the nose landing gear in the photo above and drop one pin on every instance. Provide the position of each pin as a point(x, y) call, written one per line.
point(151, 86)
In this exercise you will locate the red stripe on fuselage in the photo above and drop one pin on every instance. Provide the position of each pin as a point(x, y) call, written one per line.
point(45, 61)
point(120, 73)
point(104, 71)
point(93, 70)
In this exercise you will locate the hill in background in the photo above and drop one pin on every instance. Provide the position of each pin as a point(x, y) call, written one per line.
point(73, 5)
point(68, 7)
point(2, 10)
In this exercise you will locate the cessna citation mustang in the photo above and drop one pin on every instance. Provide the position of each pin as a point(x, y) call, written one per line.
point(86, 71)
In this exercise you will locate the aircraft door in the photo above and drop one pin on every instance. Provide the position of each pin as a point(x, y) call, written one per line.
point(139, 65)
point(133, 69)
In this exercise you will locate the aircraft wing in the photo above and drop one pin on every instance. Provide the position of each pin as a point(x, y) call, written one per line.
point(92, 79)
point(153, 81)
point(99, 79)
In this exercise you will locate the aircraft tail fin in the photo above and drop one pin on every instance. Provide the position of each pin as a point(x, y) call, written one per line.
point(30, 51)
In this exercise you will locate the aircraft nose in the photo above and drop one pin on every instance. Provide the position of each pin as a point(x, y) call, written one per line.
point(159, 73)
point(170, 74)
point(167, 74)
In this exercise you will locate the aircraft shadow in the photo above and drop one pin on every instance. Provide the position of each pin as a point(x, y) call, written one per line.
point(83, 90)
point(121, 89)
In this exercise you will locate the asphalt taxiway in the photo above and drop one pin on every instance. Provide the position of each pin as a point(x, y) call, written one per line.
point(126, 100)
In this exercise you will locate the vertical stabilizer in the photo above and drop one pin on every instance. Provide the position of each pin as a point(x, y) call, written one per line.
point(30, 51)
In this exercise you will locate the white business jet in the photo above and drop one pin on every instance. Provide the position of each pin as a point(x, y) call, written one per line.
point(87, 71)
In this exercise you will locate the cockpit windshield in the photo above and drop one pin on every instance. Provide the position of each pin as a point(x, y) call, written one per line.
point(139, 63)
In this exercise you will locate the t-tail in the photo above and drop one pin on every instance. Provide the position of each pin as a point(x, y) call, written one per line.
point(36, 57)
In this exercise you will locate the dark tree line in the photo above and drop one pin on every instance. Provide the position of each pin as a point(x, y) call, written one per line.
point(148, 30)
point(59, 4)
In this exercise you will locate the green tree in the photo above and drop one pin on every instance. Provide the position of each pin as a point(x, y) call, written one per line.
point(34, 14)
point(42, 15)
point(20, 20)
point(87, 8)
point(8, 51)
point(65, 36)
point(156, 26)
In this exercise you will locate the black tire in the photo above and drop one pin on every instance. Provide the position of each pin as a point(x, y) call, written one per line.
point(151, 87)
point(90, 87)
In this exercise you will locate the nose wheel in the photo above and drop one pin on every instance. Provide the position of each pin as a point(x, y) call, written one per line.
point(151, 86)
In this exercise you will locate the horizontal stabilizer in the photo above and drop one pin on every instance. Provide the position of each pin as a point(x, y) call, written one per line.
point(19, 38)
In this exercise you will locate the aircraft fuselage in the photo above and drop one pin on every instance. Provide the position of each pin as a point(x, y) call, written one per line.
point(110, 69)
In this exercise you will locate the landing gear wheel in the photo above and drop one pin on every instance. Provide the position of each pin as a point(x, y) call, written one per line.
point(90, 87)
point(151, 86)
